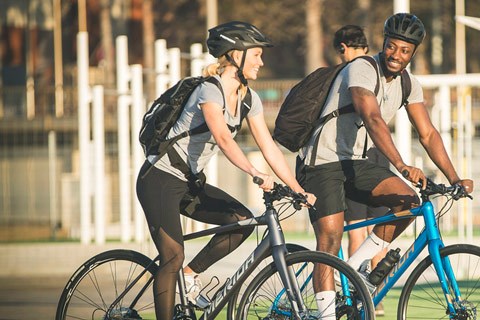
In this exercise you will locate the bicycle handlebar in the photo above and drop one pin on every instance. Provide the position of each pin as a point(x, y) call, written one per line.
point(456, 191)
point(280, 192)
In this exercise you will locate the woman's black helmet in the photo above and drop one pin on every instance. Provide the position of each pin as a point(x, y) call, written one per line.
point(406, 27)
point(235, 35)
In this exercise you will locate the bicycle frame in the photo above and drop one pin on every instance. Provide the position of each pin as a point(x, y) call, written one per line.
point(428, 237)
point(273, 242)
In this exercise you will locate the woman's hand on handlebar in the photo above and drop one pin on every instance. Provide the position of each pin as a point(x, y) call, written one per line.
point(311, 198)
point(415, 176)
point(265, 181)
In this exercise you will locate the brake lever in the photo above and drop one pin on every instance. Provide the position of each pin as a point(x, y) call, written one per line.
point(460, 192)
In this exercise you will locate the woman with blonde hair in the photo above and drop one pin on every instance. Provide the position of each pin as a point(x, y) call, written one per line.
point(165, 191)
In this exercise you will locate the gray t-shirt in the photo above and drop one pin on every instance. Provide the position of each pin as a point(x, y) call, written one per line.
point(343, 138)
point(197, 149)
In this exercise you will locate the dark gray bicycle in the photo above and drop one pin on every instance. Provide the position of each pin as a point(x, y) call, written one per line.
point(117, 284)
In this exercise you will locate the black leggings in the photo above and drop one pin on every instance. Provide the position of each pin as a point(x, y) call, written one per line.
point(163, 196)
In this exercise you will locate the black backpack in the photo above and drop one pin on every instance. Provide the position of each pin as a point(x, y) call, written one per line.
point(299, 114)
point(164, 113)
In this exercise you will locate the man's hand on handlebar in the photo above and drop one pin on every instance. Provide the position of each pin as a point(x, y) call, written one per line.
point(415, 176)
point(460, 189)
point(467, 184)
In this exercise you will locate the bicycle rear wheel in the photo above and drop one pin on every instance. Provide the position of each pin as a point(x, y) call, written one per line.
point(422, 296)
point(98, 282)
point(265, 297)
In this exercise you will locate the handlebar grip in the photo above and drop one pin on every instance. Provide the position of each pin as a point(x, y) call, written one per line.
point(257, 180)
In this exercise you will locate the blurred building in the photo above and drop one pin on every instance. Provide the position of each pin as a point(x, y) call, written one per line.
point(39, 160)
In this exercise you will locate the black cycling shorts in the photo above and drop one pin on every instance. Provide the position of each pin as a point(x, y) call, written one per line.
point(333, 182)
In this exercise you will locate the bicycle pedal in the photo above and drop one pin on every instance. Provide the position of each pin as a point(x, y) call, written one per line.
point(179, 312)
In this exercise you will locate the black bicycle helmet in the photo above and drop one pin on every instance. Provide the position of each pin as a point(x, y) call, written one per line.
point(235, 35)
point(406, 27)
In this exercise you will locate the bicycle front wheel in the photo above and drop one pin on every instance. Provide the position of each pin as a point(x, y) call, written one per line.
point(93, 288)
point(422, 296)
point(265, 297)
point(234, 301)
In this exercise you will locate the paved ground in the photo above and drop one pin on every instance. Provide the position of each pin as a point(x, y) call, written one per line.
point(30, 298)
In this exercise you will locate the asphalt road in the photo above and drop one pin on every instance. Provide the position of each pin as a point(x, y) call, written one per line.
point(30, 297)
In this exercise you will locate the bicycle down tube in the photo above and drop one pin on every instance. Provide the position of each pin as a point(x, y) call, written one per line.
point(429, 237)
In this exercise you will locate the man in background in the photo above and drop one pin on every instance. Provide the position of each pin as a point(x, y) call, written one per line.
point(350, 42)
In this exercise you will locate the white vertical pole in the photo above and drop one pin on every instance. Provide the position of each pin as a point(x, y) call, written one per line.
point(461, 68)
point(123, 78)
point(174, 65)
point(138, 109)
point(161, 62)
point(84, 137)
point(99, 163)
point(403, 128)
point(52, 177)
point(445, 128)
point(468, 162)
point(461, 158)
point(196, 62)
point(445, 117)
point(401, 6)
point(212, 13)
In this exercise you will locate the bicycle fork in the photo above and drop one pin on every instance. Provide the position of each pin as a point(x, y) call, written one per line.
point(446, 276)
point(287, 275)
point(442, 266)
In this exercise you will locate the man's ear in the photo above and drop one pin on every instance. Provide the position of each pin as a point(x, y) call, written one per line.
point(342, 48)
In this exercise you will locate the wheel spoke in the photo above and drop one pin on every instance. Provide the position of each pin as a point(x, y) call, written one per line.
point(101, 280)
point(423, 297)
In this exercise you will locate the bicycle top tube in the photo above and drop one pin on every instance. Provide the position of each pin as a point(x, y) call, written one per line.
point(255, 221)
point(279, 192)
point(390, 216)
point(426, 209)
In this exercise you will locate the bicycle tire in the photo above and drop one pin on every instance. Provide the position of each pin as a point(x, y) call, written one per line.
point(99, 281)
point(423, 297)
point(258, 300)
point(233, 302)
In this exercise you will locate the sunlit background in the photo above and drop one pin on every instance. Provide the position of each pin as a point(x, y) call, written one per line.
point(77, 76)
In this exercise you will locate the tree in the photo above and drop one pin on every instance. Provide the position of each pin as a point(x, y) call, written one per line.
point(314, 38)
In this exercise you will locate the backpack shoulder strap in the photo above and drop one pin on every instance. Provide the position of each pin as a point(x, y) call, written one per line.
point(347, 109)
point(374, 64)
point(203, 127)
point(406, 87)
point(245, 107)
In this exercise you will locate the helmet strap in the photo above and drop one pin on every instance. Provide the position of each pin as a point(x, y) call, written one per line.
point(239, 68)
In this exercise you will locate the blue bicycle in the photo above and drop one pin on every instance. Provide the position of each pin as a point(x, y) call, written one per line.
point(446, 284)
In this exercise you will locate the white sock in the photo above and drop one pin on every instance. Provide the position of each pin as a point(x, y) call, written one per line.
point(368, 249)
point(326, 304)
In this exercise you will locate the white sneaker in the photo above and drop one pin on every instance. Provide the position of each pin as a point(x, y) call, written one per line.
point(363, 272)
point(193, 286)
